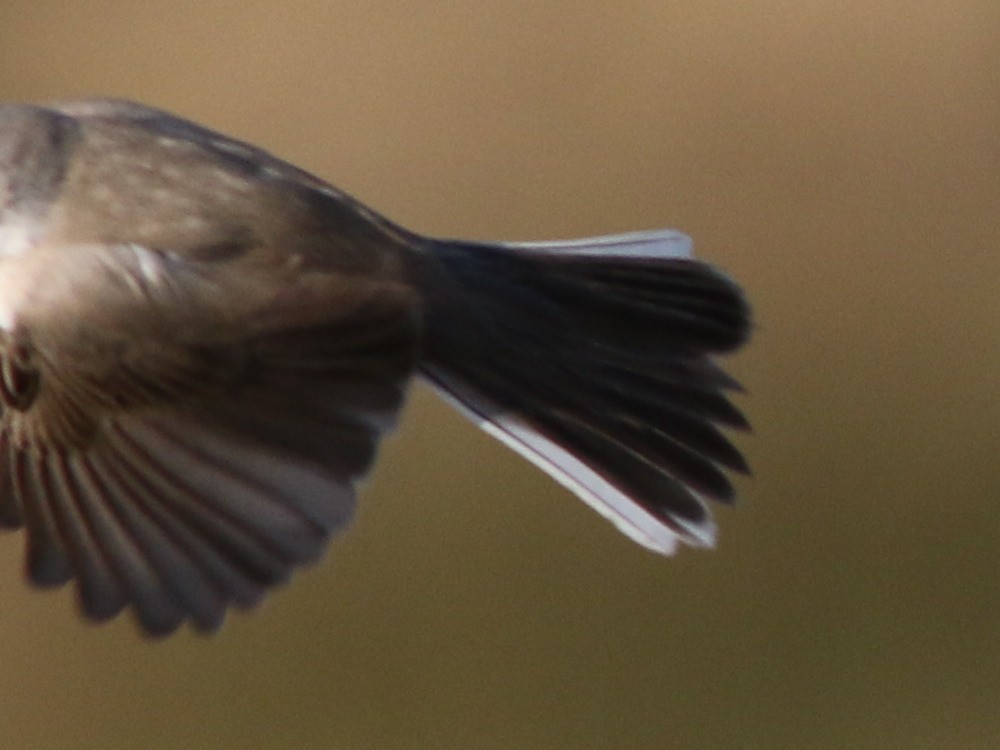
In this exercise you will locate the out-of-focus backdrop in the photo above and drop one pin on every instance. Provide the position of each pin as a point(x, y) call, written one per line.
point(841, 159)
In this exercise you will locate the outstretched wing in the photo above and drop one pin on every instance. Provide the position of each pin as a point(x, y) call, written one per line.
point(198, 481)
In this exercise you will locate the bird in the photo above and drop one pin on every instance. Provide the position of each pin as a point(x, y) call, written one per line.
point(202, 345)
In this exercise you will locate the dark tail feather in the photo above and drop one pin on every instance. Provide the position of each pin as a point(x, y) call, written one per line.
point(593, 359)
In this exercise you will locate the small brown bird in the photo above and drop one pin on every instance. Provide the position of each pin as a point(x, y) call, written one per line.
point(201, 346)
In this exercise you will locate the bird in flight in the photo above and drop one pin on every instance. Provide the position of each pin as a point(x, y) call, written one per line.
point(202, 345)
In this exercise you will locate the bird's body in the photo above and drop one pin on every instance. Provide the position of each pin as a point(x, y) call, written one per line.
point(200, 346)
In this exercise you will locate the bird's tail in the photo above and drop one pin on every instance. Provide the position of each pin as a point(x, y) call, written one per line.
point(594, 360)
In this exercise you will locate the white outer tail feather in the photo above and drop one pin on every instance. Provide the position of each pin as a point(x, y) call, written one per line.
point(654, 243)
point(627, 515)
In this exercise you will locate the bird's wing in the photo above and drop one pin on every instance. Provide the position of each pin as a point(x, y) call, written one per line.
point(190, 476)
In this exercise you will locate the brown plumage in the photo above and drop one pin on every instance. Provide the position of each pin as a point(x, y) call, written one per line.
point(201, 346)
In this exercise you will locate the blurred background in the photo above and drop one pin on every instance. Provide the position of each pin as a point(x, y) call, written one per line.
point(841, 159)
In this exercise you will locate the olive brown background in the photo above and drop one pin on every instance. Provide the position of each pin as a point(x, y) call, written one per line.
point(841, 159)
